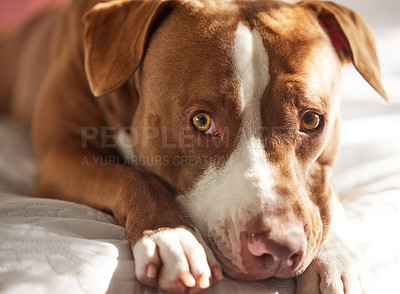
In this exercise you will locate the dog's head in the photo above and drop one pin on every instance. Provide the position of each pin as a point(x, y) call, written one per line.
point(238, 114)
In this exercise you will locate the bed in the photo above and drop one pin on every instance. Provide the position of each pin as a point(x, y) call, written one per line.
point(51, 246)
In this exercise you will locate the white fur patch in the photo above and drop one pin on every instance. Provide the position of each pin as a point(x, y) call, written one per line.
point(251, 66)
point(125, 147)
point(226, 197)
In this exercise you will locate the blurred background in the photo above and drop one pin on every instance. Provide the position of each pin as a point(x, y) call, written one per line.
point(13, 12)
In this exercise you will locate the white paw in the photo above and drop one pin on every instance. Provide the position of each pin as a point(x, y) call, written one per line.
point(175, 260)
point(335, 270)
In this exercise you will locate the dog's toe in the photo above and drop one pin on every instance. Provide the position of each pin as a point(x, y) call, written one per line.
point(340, 282)
point(147, 261)
point(332, 272)
point(175, 261)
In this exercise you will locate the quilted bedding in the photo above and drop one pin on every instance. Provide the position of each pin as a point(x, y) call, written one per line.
point(51, 246)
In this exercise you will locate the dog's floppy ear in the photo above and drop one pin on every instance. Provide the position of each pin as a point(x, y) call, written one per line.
point(115, 37)
point(352, 38)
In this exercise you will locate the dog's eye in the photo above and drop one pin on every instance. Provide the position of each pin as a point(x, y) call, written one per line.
point(203, 122)
point(310, 121)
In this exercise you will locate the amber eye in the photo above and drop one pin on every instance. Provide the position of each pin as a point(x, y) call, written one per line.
point(310, 121)
point(202, 121)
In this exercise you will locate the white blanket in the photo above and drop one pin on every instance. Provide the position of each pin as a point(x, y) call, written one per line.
point(50, 246)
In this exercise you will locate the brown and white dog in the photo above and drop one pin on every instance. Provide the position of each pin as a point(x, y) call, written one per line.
point(229, 112)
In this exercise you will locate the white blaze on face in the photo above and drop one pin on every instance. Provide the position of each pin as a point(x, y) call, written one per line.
point(225, 197)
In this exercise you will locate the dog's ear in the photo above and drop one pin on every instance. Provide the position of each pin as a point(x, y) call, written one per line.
point(115, 37)
point(353, 39)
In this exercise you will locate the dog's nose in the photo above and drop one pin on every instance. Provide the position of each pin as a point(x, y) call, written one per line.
point(280, 251)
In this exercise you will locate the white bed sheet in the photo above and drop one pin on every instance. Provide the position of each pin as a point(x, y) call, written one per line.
point(51, 246)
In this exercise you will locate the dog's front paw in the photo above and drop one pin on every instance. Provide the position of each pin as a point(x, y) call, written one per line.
point(175, 261)
point(335, 270)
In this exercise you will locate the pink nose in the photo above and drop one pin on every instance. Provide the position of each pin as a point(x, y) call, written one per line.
point(278, 251)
